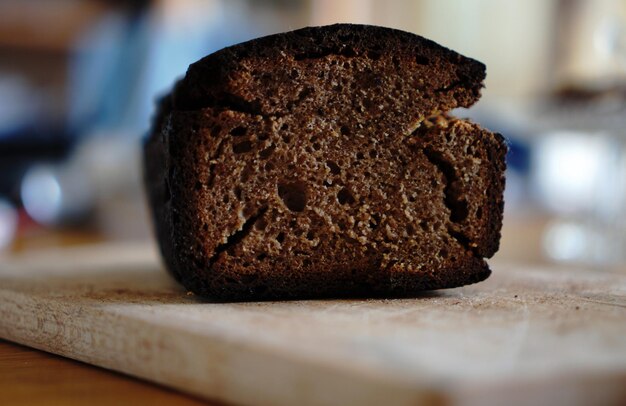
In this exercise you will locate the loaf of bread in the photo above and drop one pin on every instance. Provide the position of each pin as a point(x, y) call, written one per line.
point(322, 163)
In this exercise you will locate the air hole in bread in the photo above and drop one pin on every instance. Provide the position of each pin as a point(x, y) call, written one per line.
point(345, 196)
point(334, 168)
point(280, 237)
point(459, 211)
point(304, 93)
point(293, 195)
point(267, 152)
point(242, 147)
point(422, 60)
point(374, 221)
point(238, 131)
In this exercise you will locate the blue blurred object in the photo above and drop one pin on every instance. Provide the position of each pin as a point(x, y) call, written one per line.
point(518, 156)
point(108, 61)
point(126, 61)
point(18, 116)
point(26, 133)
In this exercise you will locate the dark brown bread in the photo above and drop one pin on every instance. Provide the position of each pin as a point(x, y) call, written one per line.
point(320, 163)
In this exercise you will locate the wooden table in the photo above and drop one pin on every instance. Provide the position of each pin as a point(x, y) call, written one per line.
point(28, 376)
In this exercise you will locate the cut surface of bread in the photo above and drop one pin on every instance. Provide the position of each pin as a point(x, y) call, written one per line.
point(321, 163)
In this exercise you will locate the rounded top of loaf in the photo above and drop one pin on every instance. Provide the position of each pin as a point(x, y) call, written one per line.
point(256, 76)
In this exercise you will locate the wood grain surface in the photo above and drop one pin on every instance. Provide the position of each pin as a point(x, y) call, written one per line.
point(524, 335)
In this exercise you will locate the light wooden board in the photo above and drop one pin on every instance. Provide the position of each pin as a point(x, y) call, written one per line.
point(526, 334)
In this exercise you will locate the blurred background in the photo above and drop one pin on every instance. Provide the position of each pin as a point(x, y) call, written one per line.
point(78, 80)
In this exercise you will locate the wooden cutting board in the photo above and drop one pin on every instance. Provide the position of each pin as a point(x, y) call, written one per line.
point(527, 334)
